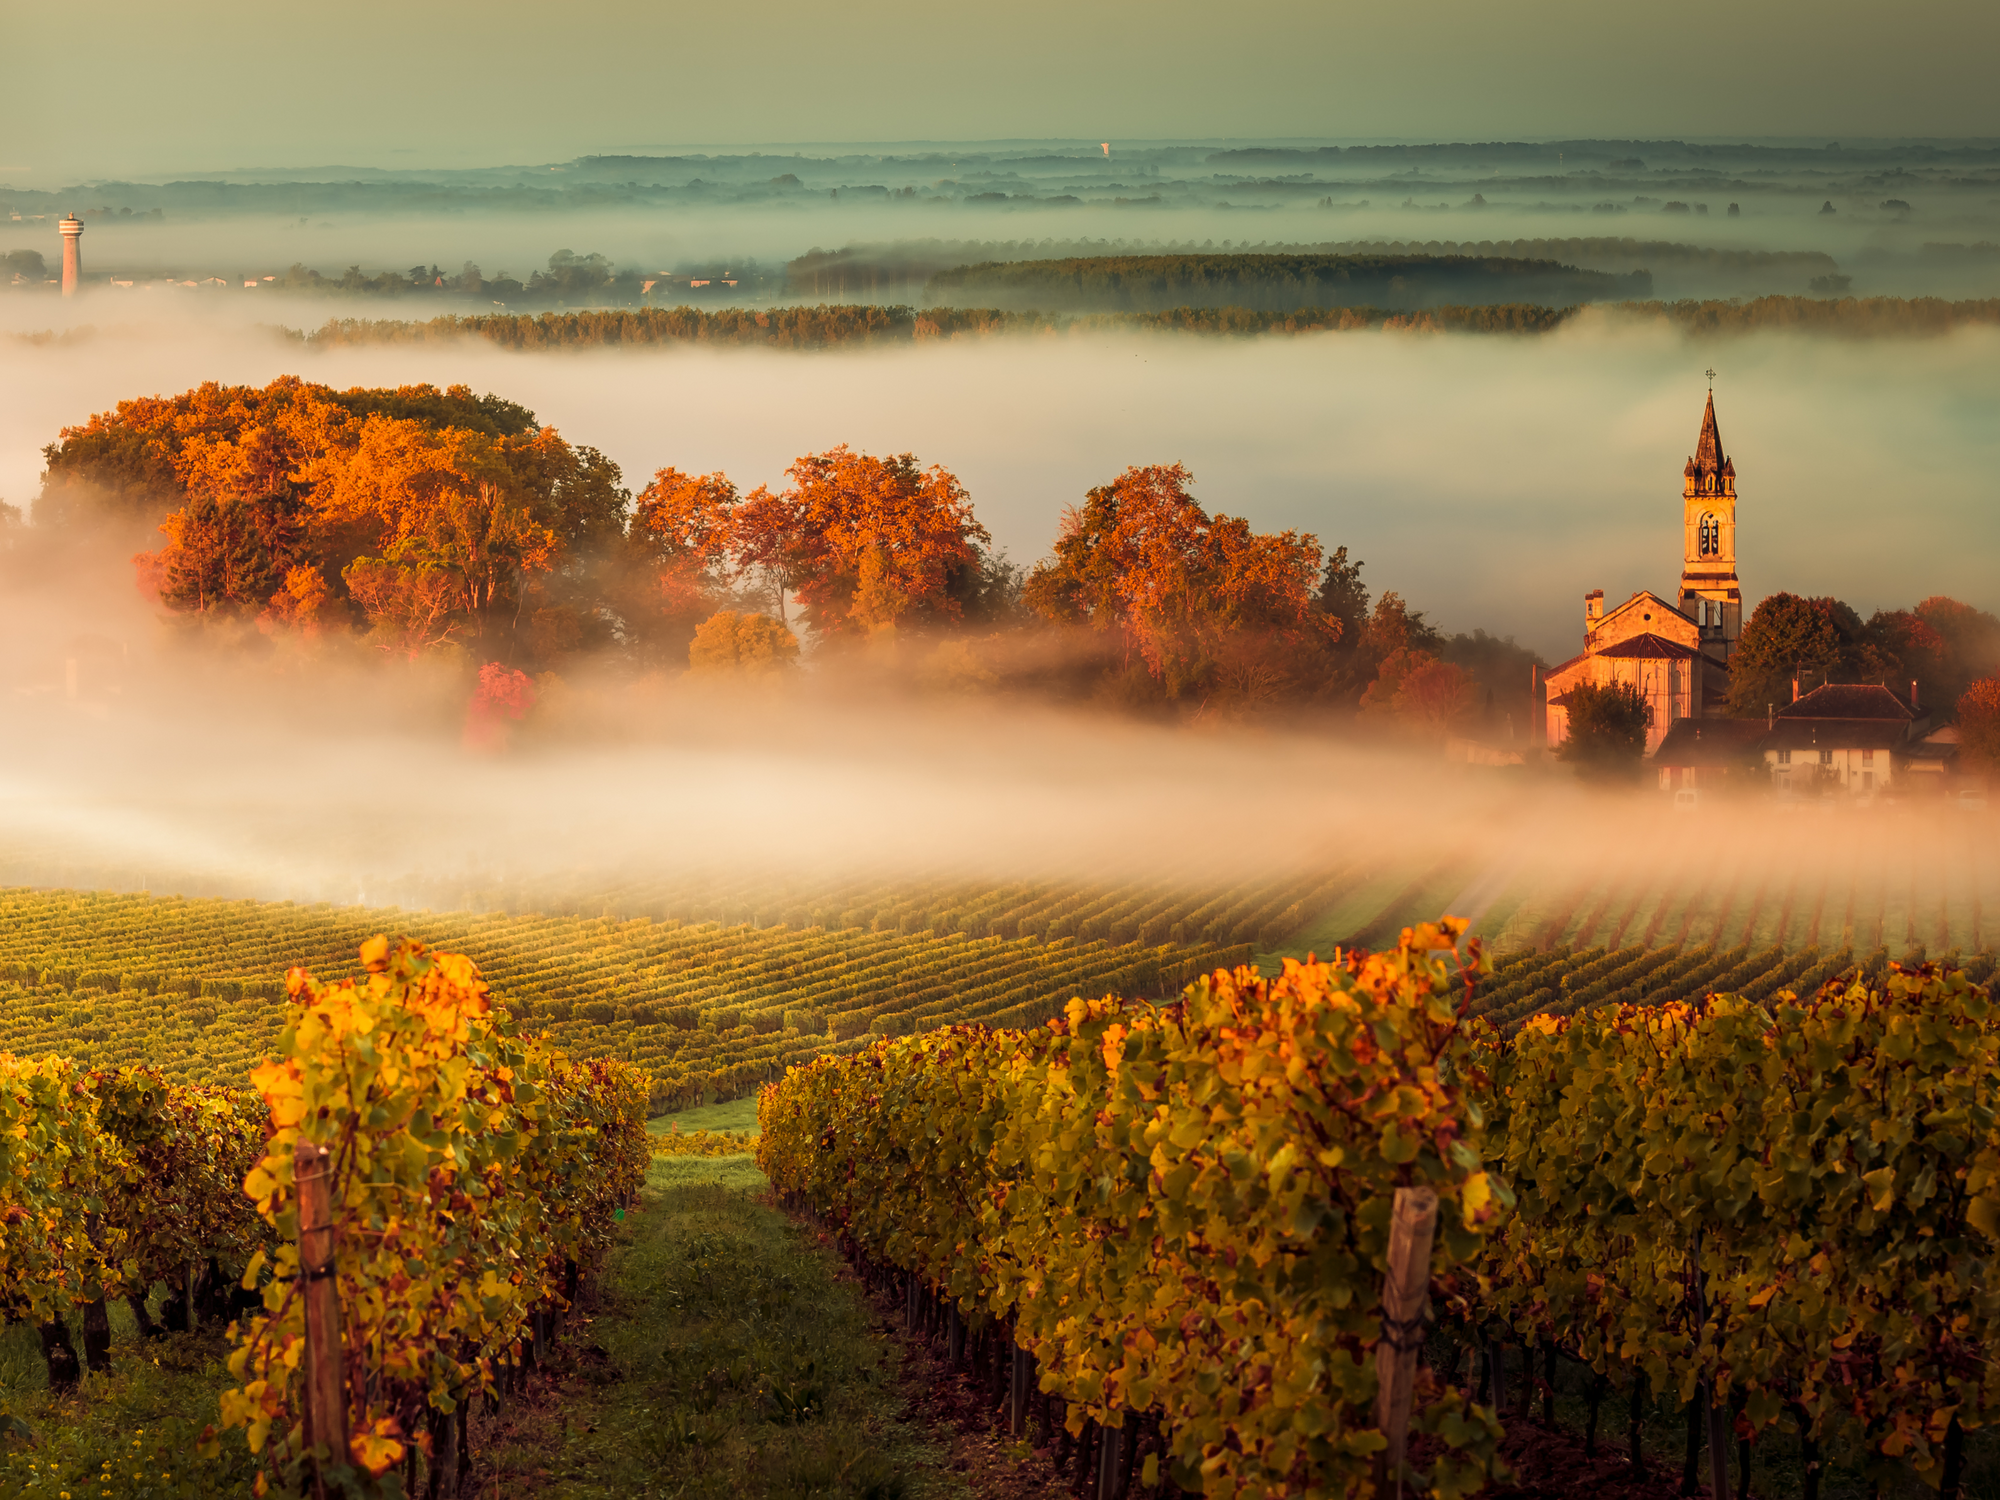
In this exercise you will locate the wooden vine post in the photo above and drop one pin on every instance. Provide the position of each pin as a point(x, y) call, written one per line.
point(1405, 1288)
point(326, 1377)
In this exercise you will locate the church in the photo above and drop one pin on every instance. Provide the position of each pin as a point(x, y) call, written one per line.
point(1676, 654)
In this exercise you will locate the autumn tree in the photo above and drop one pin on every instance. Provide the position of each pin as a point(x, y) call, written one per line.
point(744, 645)
point(1968, 645)
point(410, 607)
point(1979, 726)
point(451, 498)
point(864, 543)
point(1607, 730)
point(1190, 599)
point(230, 556)
point(672, 570)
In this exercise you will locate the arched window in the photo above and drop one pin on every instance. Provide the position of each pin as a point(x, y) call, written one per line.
point(1711, 535)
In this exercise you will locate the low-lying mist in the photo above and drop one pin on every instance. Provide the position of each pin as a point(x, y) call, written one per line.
point(210, 777)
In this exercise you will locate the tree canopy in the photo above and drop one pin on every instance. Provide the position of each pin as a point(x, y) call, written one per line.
point(1942, 645)
point(1192, 597)
point(1607, 730)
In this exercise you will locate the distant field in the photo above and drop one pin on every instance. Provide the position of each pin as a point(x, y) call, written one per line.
point(196, 986)
point(716, 982)
point(1944, 899)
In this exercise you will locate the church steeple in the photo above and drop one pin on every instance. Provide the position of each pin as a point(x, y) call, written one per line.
point(1710, 592)
point(1710, 472)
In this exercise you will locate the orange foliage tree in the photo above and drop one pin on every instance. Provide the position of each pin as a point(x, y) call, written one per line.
point(1979, 726)
point(863, 542)
point(1196, 599)
point(449, 498)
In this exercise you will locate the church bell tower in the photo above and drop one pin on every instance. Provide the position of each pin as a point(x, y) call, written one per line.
point(1710, 594)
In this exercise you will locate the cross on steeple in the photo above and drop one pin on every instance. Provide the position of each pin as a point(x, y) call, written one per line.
point(1711, 379)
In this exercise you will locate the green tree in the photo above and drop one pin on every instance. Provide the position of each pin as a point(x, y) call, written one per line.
point(1787, 636)
point(1343, 596)
point(1607, 730)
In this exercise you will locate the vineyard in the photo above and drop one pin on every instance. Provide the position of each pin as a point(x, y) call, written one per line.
point(716, 982)
point(395, 1215)
point(195, 987)
point(1775, 1214)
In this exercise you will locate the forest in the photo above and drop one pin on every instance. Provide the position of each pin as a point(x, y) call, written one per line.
point(845, 325)
point(1276, 283)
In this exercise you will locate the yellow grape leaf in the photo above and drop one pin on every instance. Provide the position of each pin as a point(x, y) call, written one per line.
point(377, 1449)
point(1759, 1299)
point(1983, 1214)
point(1882, 1183)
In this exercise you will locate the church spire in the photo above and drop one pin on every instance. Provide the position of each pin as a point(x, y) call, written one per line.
point(1709, 460)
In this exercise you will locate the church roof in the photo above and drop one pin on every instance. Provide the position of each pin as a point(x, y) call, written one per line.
point(1708, 455)
point(1650, 647)
point(1849, 700)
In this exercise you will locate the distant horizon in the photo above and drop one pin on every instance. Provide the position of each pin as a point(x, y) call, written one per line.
point(874, 145)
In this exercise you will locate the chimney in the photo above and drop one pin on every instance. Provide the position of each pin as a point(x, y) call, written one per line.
point(1593, 608)
point(1770, 716)
point(1795, 690)
point(1913, 695)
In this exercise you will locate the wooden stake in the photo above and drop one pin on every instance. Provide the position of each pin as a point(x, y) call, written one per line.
point(1021, 1373)
point(1405, 1289)
point(1718, 1443)
point(326, 1375)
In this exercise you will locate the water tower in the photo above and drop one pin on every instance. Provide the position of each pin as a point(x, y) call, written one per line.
point(72, 233)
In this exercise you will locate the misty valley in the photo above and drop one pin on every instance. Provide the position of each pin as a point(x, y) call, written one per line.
point(1091, 844)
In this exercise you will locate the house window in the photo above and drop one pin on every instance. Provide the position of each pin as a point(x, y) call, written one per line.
point(1867, 781)
point(1867, 757)
point(1826, 757)
point(1784, 757)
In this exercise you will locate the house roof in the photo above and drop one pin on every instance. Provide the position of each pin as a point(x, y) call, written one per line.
point(1849, 700)
point(1835, 734)
point(1709, 742)
point(1708, 456)
point(1651, 647)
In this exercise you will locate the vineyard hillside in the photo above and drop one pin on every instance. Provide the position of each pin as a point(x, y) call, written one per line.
point(195, 987)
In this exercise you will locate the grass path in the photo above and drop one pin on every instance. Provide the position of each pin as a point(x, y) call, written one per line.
point(722, 1353)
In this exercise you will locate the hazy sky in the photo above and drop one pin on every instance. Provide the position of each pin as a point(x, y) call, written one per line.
point(139, 87)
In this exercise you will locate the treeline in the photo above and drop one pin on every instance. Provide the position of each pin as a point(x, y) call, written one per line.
point(1608, 253)
point(426, 523)
point(834, 325)
point(1276, 283)
point(873, 269)
point(837, 325)
point(1853, 317)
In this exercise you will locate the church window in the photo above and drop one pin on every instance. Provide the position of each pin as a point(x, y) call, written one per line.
point(1710, 539)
